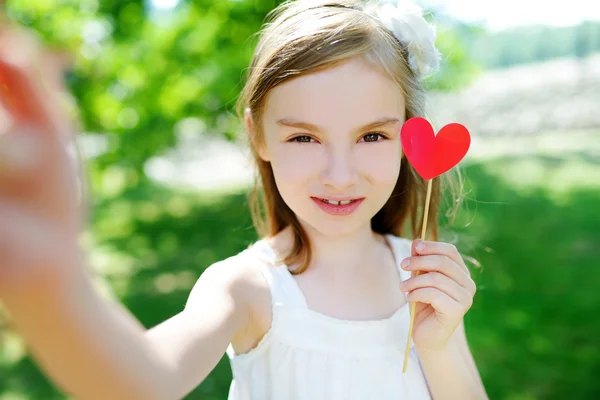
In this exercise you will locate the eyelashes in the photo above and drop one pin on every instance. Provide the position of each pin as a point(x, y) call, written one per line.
point(375, 134)
point(378, 136)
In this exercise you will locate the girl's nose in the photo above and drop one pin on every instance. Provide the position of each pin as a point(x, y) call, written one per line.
point(340, 172)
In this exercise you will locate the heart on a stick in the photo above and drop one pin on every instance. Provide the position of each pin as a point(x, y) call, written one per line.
point(431, 155)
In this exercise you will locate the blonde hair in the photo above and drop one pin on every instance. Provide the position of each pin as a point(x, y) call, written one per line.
point(305, 36)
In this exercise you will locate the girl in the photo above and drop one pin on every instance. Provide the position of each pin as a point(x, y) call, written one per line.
point(318, 308)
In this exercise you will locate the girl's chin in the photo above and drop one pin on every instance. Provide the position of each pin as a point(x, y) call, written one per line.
point(332, 226)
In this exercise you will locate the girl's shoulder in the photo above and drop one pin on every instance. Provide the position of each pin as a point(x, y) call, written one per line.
point(234, 289)
point(240, 275)
point(244, 268)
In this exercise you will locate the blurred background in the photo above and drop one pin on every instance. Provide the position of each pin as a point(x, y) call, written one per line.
point(154, 83)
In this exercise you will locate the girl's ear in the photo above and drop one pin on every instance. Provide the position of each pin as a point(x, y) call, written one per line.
point(262, 151)
point(248, 120)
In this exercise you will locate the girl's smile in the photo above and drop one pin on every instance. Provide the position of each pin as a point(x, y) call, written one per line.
point(332, 207)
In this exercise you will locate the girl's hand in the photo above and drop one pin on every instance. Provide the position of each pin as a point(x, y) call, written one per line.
point(443, 291)
point(40, 216)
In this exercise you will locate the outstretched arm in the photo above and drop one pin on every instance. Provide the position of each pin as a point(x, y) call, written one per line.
point(95, 349)
point(90, 348)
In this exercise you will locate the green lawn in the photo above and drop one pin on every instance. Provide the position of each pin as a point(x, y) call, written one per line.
point(534, 327)
point(532, 220)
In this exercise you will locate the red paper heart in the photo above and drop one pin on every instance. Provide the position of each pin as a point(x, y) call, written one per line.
point(432, 155)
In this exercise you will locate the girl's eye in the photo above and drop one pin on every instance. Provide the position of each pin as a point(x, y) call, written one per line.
point(369, 137)
point(301, 139)
point(372, 137)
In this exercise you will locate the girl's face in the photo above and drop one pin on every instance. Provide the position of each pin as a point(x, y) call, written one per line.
point(335, 134)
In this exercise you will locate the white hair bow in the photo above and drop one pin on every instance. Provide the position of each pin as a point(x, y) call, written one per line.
point(406, 22)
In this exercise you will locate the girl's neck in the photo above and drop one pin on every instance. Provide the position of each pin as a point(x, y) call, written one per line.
point(337, 254)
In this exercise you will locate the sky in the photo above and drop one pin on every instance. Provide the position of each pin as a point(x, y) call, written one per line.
point(499, 15)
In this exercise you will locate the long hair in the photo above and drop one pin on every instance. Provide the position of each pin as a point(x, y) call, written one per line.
point(305, 36)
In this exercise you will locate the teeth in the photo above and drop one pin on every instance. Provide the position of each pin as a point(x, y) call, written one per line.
point(339, 203)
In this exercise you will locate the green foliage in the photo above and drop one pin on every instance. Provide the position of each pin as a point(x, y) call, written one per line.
point(457, 68)
point(134, 77)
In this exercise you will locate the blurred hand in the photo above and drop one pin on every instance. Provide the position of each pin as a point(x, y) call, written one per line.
point(40, 212)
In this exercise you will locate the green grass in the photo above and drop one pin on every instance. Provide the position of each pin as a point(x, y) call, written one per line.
point(532, 220)
point(534, 327)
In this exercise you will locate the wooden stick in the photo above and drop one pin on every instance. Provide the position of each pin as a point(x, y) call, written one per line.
point(414, 304)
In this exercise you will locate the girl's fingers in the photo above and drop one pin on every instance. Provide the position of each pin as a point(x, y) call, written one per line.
point(441, 282)
point(36, 168)
point(440, 301)
point(441, 248)
point(36, 172)
point(28, 87)
point(442, 264)
point(40, 199)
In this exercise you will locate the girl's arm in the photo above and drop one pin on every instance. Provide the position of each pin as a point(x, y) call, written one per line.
point(218, 308)
point(463, 346)
point(97, 350)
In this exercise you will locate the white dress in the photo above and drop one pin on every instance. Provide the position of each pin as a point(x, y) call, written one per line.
point(307, 355)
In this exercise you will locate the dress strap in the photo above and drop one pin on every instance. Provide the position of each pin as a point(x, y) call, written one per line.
point(400, 249)
point(284, 289)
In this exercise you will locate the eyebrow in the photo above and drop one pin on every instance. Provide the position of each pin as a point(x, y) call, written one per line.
point(306, 125)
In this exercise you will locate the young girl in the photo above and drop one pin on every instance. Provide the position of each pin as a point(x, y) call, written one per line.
point(318, 308)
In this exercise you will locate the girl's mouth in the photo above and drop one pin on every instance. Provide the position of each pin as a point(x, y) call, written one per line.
point(338, 203)
point(338, 207)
